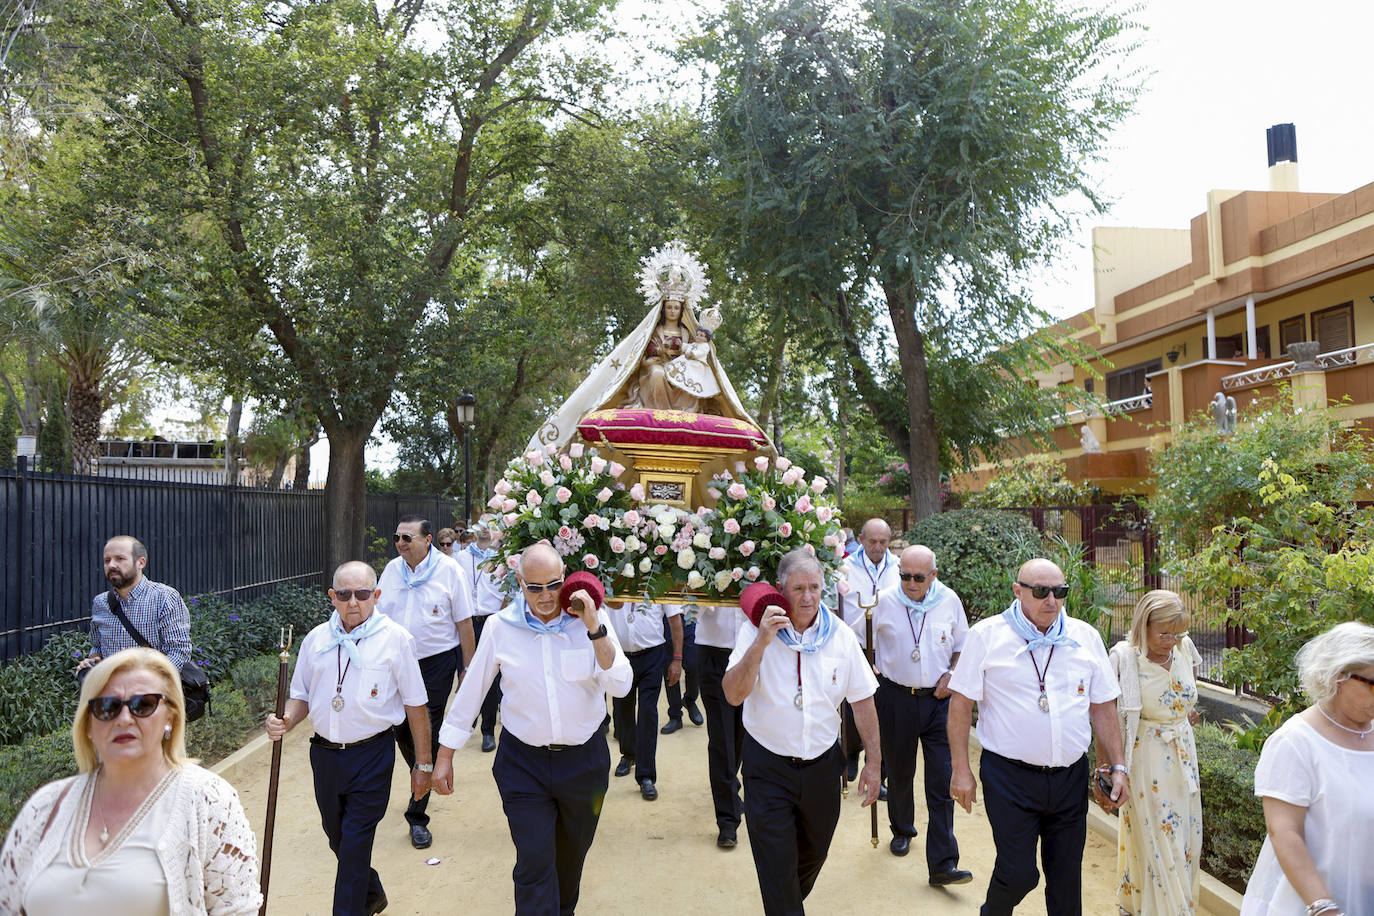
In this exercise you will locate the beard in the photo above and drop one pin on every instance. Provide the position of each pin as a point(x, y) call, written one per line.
point(116, 578)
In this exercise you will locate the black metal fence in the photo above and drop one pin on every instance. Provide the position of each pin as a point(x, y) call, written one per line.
point(237, 542)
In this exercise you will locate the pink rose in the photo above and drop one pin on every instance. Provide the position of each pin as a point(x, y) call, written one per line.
point(533, 498)
point(791, 476)
point(562, 494)
point(740, 467)
point(731, 526)
point(736, 574)
point(617, 545)
point(495, 502)
point(660, 550)
point(839, 551)
point(746, 548)
point(713, 493)
point(509, 519)
point(736, 491)
point(617, 469)
point(782, 463)
point(761, 463)
point(785, 530)
point(590, 521)
point(809, 549)
point(768, 503)
point(632, 517)
point(818, 485)
point(575, 450)
point(590, 561)
point(547, 479)
point(508, 505)
point(753, 574)
point(702, 510)
point(513, 561)
point(637, 493)
point(824, 514)
point(716, 553)
point(598, 465)
point(830, 540)
point(804, 504)
point(503, 486)
point(844, 587)
point(564, 532)
point(536, 459)
point(604, 495)
point(565, 462)
point(551, 449)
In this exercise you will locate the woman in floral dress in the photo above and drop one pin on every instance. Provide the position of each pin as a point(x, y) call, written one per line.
point(1159, 847)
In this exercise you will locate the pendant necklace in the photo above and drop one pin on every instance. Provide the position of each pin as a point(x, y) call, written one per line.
point(338, 702)
point(915, 636)
point(797, 700)
point(100, 809)
point(1040, 676)
point(1353, 731)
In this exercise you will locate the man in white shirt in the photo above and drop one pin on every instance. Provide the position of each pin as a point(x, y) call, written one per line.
point(790, 674)
point(639, 627)
point(552, 763)
point(427, 592)
point(356, 678)
point(717, 628)
point(1043, 684)
point(918, 630)
point(487, 599)
point(868, 571)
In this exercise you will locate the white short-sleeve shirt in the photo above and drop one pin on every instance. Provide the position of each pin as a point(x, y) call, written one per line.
point(718, 626)
point(994, 672)
point(867, 579)
point(639, 626)
point(838, 671)
point(941, 632)
point(431, 610)
point(375, 690)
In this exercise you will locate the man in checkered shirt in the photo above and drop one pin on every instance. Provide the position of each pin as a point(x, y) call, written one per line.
point(156, 610)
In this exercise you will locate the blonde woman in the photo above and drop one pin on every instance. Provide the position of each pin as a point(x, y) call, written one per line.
point(1159, 839)
point(141, 830)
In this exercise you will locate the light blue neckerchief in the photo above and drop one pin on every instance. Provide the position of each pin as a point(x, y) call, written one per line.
point(420, 576)
point(477, 552)
point(349, 640)
point(823, 627)
point(1055, 636)
point(518, 614)
point(917, 609)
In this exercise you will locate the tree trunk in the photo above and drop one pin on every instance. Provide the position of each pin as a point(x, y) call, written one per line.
point(345, 497)
point(301, 480)
point(85, 409)
point(231, 443)
point(278, 471)
point(842, 433)
point(924, 435)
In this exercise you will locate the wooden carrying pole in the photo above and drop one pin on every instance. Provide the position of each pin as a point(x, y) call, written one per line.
point(868, 651)
point(844, 732)
point(283, 669)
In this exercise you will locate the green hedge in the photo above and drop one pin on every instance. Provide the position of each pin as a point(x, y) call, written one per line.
point(1232, 817)
point(25, 767)
point(978, 551)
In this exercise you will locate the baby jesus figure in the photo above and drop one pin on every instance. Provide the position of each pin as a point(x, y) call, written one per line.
point(692, 371)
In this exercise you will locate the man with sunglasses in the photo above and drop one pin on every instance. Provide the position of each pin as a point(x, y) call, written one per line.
point(356, 679)
point(552, 764)
point(1043, 685)
point(918, 631)
point(429, 594)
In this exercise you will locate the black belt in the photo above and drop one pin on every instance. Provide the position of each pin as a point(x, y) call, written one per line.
point(320, 741)
point(914, 691)
point(640, 652)
point(1033, 767)
point(802, 762)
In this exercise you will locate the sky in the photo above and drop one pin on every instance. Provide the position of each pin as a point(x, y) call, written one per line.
point(1217, 73)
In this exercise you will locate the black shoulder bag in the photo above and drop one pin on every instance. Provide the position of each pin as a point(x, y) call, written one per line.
point(194, 684)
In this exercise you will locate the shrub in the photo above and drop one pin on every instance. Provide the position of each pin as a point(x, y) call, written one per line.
point(25, 767)
point(1232, 817)
point(256, 679)
point(38, 691)
point(223, 633)
point(220, 733)
point(1033, 480)
point(978, 551)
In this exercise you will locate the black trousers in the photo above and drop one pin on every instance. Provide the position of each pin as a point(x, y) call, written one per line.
point(352, 787)
point(724, 738)
point(438, 672)
point(791, 810)
point(636, 713)
point(1027, 806)
point(552, 801)
point(689, 670)
point(492, 701)
point(905, 721)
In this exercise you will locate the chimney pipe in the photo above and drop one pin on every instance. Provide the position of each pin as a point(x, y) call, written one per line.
point(1282, 143)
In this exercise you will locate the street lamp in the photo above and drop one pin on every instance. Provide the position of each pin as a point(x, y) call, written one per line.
point(467, 416)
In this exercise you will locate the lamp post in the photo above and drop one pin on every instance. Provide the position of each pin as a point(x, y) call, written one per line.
point(467, 416)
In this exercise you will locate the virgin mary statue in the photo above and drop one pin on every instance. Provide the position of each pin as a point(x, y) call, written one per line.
point(667, 363)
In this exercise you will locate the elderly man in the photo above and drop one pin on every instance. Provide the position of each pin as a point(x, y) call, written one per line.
point(790, 673)
point(868, 572)
point(356, 678)
point(1043, 684)
point(429, 594)
point(154, 609)
point(918, 630)
point(639, 626)
point(552, 763)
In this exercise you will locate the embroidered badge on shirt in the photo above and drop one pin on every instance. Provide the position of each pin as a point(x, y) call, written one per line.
point(834, 675)
point(435, 612)
point(374, 692)
point(1080, 687)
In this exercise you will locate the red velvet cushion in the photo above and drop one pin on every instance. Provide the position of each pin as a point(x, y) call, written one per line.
point(754, 600)
point(579, 580)
point(642, 426)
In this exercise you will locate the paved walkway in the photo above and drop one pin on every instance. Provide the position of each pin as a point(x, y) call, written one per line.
point(649, 857)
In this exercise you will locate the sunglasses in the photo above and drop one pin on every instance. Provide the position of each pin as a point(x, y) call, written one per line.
point(348, 594)
point(1369, 682)
point(545, 587)
point(1044, 591)
point(445, 543)
point(142, 705)
point(398, 537)
point(913, 577)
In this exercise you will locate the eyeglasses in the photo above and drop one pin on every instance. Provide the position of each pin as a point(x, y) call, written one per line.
point(1362, 679)
point(347, 594)
point(398, 537)
point(545, 587)
point(913, 577)
point(1171, 637)
point(106, 709)
point(1044, 591)
point(445, 543)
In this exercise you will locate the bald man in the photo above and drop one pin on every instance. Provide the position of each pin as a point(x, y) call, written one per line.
point(868, 572)
point(918, 631)
point(552, 764)
point(1043, 684)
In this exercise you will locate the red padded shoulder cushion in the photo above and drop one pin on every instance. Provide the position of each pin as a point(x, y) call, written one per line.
point(755, 598)
point(579, 580)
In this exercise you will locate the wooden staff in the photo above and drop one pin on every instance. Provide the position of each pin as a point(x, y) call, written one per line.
point(844, 732)
point(284, 660)
point(869, 653)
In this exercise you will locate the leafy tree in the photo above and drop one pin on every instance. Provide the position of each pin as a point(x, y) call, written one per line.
point(1035, 480)
point(53, 438)
point(9, 433)
point(909, 160)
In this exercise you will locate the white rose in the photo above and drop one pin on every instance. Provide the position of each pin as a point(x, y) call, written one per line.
point(629, 571)
point(702, 540)
point(695, 579)
point(686, 558)
point(723, 579)
point(666, 531)
point(646, 564)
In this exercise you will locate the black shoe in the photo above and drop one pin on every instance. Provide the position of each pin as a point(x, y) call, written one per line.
point(853, 772)
point(882, 793)
point(646, 788)
point(672, 725)
point(488, 742)
point(624, 766)
point(694, 714)
point(376, 906)
point(420, 837)
point(726, 839)
point(900, 846)
point(953, 876)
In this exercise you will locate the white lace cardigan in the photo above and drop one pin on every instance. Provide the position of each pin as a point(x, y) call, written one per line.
point(208, 852)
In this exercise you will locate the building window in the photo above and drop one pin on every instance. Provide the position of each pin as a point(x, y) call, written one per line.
point(1262, 350)
point(1130, 382)
point(1291, 331)
point(1334, 328)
